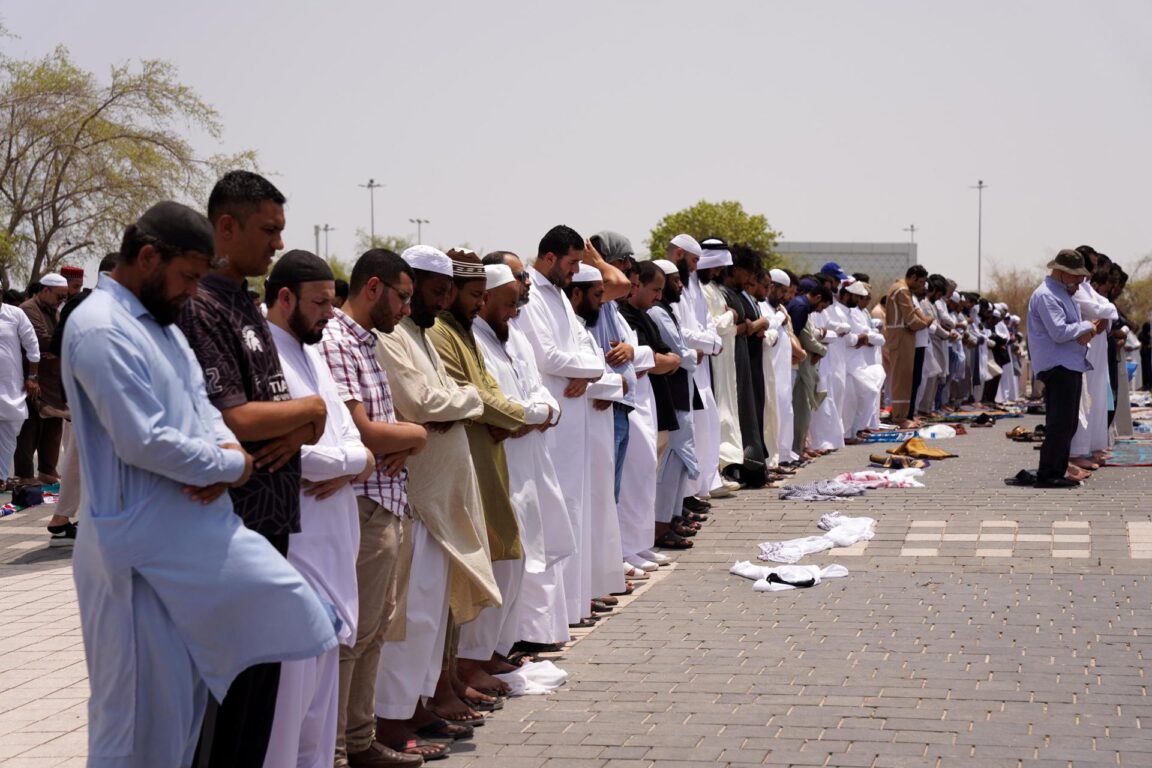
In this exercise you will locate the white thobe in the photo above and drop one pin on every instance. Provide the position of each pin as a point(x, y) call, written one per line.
point(534, 491)
point(782, 365)
point(1092, 433)
point(17, 342)
point(865, 374)
point(724, 377)
point(551, 328)
point(827, 429)
point(604, 575)
point(637, 506)
point(699, 331)
point(324, 552)
point(773, 337)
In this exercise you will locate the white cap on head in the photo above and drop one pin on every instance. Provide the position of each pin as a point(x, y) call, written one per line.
point(688, 243)
point(996, 314)
point(856, 288)
point(497, 275)
point(714, 259)
point(53, 280)
point(667, 266)
point(956, 297)
point(587, 274)
point(429, 259)
point(780, 277)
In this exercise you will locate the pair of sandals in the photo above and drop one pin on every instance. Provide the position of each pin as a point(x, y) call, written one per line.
point(885, 461)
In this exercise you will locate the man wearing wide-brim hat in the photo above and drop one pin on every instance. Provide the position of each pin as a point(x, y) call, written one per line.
point(1058, 341)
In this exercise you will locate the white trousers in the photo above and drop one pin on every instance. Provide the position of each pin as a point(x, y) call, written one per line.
point(304, 727)
point(497, 627)
point(706, 424)
point(410, 667)
point(543, 610)
point(637, 507)
point(69, 502)
point(9, 431)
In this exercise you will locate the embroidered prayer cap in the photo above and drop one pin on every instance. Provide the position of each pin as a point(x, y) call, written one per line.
point(428, 259)
point(780, 277)
point(297, 267)
point(466, 265)
point(856, 288)
point(53, 280)
point(179, 226)
point(714, 259)
point(587, 274)
point(668, 267)
point(72, 272)
point(498, 275)
point(1069, 261)
point(688, 243)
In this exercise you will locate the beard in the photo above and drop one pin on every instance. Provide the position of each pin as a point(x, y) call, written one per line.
point(590, 316)
point(682, 268)
point(303, 330)
point(671, 295)
point(462, 318)
point(154, 297)
point(422, 314)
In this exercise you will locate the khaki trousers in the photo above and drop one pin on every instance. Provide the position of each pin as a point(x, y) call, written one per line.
point(901, 346)
point(382, 567)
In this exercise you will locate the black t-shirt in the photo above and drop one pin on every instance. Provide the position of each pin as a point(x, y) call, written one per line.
point(648, 335)
point(234, 346)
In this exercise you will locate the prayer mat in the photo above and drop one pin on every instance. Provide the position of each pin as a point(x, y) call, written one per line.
point(893, 436)
point(1131, 453)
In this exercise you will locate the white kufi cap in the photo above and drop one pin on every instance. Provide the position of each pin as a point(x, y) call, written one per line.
point(498, 275)
point(780, 277)
point(668, 267)
point(53, 280)
point(688, 243)
point(587, 274)
point(856, 288)
point(429, 259)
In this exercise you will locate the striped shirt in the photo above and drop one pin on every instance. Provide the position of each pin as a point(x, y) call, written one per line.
point(350, 351)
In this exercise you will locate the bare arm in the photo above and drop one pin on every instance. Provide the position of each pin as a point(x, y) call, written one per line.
point(254, 421)
point(382, 437)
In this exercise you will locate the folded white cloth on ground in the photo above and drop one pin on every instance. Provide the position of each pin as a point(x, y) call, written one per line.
point(895, 478)
point(937, 432)
point(843, 531)
point(534, 679)
point(785, 577)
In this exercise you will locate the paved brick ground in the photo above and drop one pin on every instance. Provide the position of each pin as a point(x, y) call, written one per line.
point(983, 625)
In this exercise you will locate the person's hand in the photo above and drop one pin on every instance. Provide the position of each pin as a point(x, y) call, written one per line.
point(32, 388)
point(499, 434)
point(620, 353)
point(369, 467)
point(206, 494)
point(591, 255)
point(279, 451)
point(576, 387)
point(1085, 337)
point(439, 427)
point(601, 405)
point(391, 464)
point(323, 489)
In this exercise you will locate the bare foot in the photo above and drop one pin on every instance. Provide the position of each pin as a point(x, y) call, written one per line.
point(446, 703)
point(497, 666)
point(472, 673)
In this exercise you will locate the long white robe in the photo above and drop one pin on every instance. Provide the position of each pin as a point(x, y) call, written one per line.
point(1092, 433)
point(865, 380)
point(699, 331)
point(678, 466)
point(637, 506)
point(773, 337)
point(723, 365)
point(551, 326)
point(603, 572)
point(827, 429)
point(324, 552)
point(782, 365)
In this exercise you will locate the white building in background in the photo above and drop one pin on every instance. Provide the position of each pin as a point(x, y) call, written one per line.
point(883, 262)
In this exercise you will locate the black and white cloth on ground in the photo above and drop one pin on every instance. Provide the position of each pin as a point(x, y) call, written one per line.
point(785, 577)
point(842, 531)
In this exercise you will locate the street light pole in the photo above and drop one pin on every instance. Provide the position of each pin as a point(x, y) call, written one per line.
point(980, 186)
point(372, 186)
point(911, 228)
point(419, 228)
point(316, 231)
point(327, 229)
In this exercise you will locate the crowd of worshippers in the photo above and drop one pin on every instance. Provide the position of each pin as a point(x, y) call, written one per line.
point(317, 528)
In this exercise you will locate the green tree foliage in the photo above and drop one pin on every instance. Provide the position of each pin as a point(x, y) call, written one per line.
point(727, 220)
point(80, 158)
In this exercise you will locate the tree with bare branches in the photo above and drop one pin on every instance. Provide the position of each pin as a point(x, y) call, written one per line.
point(79, 158)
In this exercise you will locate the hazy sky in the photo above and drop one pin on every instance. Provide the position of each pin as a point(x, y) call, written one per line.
point(843, 121)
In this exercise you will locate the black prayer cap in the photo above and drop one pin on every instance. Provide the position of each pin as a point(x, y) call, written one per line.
point(297, 267)
point(179, 226)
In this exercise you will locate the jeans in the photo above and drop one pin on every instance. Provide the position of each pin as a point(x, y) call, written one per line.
point(620, 423)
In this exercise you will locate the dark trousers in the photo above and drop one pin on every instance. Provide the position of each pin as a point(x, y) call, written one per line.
point(917, 380)
point(39, 438)
point(1146, 368)
point(236, 731)
point(1062, 411)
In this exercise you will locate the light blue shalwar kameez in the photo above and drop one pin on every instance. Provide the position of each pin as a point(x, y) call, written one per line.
point(678, 465)
point(176, 598)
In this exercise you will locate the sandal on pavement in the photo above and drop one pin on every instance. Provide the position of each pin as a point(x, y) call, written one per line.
point(671, 540)
point(442, 730)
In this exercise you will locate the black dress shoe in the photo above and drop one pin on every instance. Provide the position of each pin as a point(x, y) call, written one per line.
point(1060, 482)
point(696, 505)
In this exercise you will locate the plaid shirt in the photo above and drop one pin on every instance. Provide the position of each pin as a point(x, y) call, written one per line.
point(350, 353)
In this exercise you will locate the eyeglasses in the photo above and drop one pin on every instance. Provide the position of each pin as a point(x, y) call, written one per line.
point(405, 298)
point(521, 276)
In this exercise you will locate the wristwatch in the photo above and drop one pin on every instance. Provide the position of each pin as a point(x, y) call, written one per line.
point(32, 377)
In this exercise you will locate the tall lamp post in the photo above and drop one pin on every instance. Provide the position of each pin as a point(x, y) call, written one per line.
point(419, 228)
point(911, 230)
point(372, 186)
point(326, 229)
point(316, 231)
point(980, 187)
